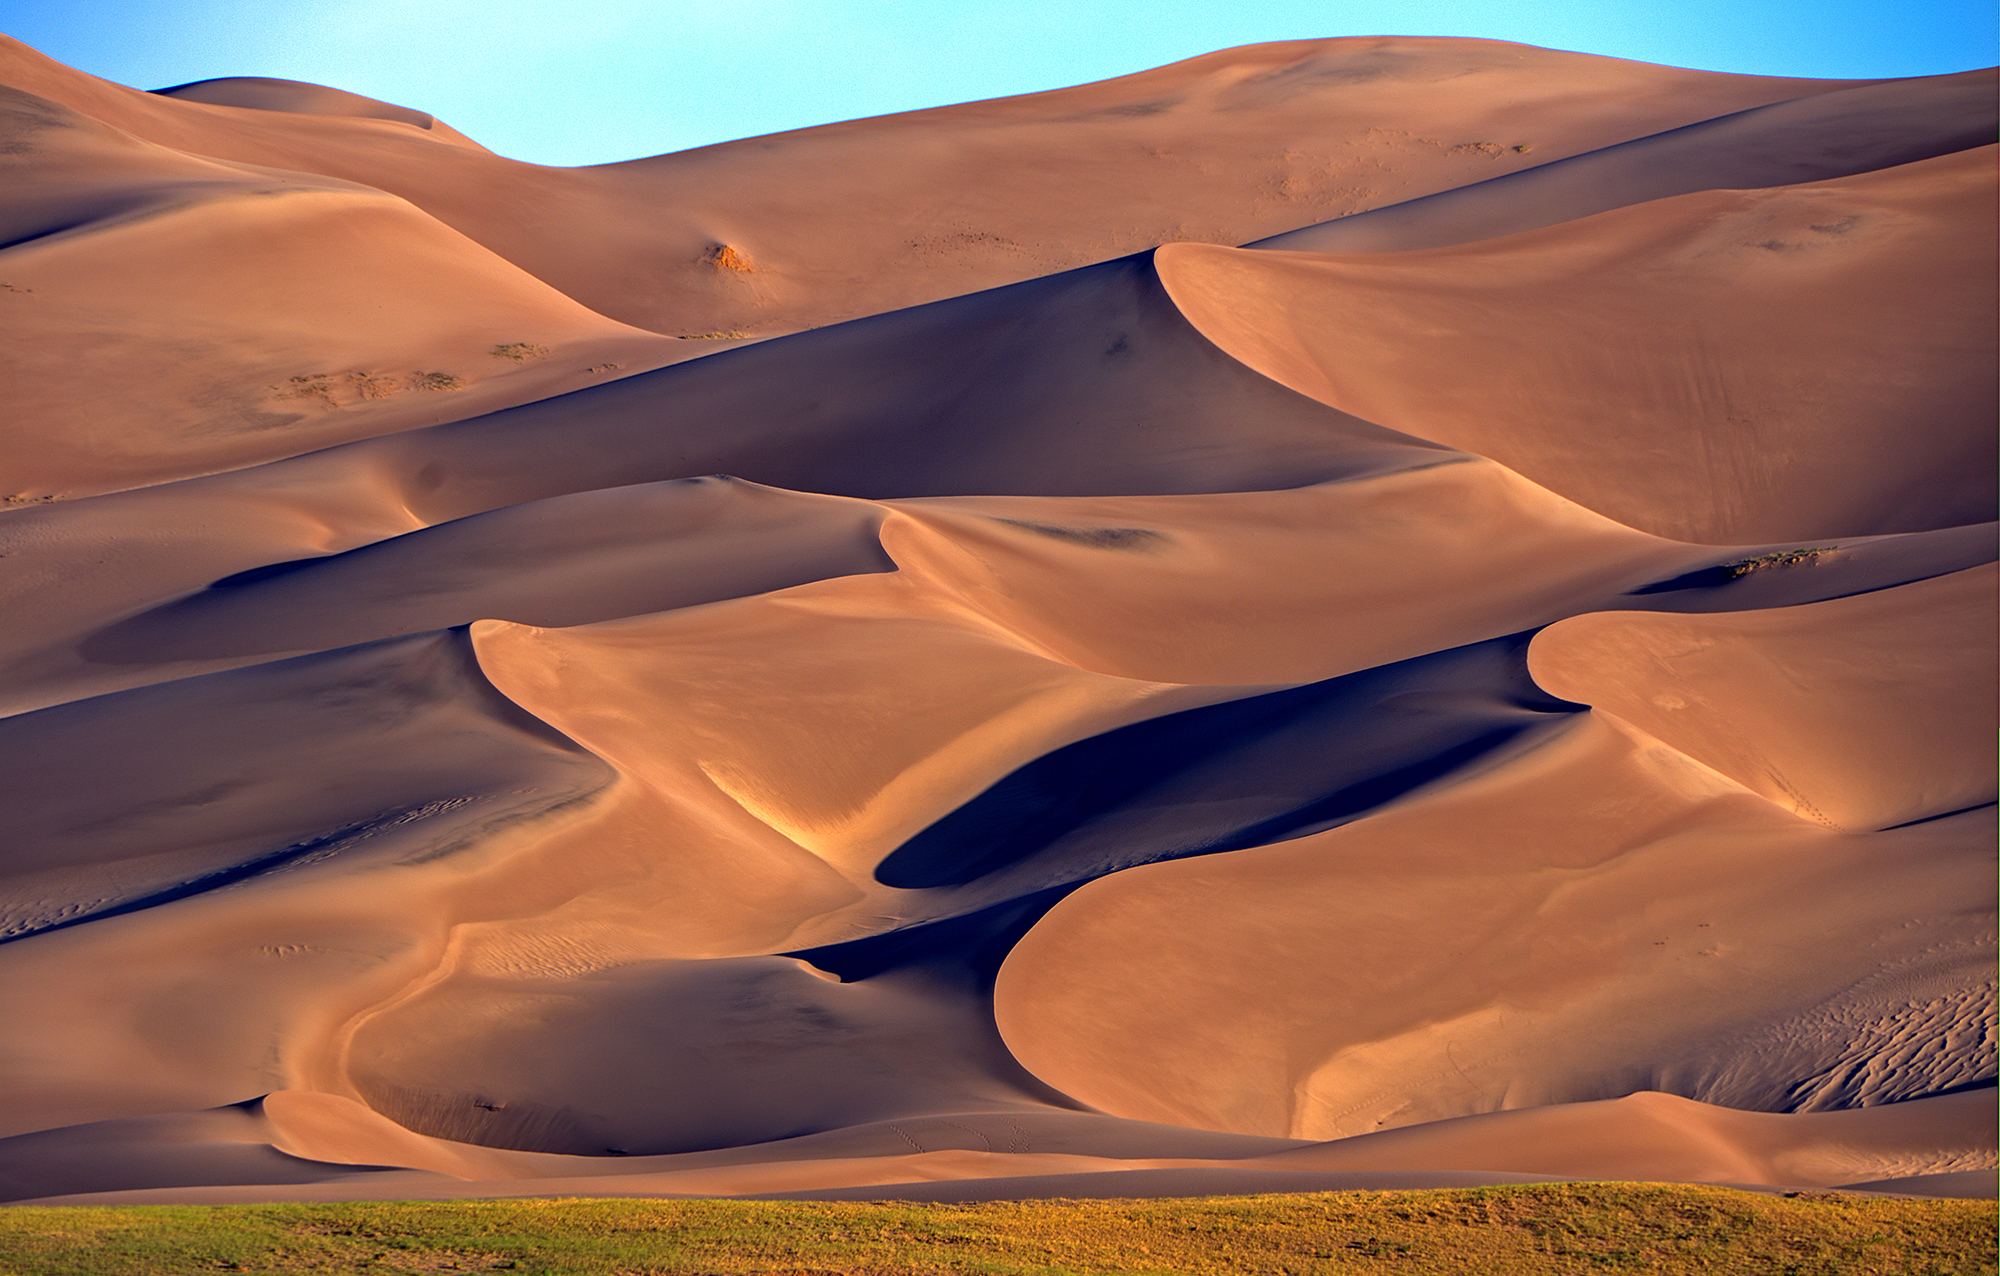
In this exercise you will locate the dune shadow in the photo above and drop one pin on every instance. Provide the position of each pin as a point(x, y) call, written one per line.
point(970, 946)
point(1252, 772)
point(1224, 777)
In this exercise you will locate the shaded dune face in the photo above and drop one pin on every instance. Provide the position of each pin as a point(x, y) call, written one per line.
point(904, 654)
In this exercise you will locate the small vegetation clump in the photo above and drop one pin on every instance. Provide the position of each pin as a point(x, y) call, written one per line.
point(370, 386)
point(732, 335)
point(728, 257)
point(435, 381)
point(1782, 558)
point(1537, 1228)
point(317, 386)
point(519, 351)
point(335, 390)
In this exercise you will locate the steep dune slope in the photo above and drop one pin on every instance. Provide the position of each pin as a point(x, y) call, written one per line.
point(1808, 361)
point(1495, 686)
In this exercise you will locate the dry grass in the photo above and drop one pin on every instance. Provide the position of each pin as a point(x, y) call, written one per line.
point(1566, 1228)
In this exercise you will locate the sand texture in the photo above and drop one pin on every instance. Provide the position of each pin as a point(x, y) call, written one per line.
point(1352, 613)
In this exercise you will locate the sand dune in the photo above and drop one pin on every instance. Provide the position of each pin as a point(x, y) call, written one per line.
point(168, 315)
point(1806, 139)
point(1656, 889)
point(1338, 614)
point(856, 218)
point(1705, 428)
point(319, 1148)
point(262, 93)
point(1843, 711)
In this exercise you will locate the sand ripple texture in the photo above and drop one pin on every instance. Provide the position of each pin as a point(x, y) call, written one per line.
point(1376, 611)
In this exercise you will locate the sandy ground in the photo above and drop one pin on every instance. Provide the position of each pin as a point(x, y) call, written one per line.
point(1353, 613)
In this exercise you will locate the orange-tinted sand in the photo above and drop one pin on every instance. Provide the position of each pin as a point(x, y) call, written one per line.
point(1353, 613)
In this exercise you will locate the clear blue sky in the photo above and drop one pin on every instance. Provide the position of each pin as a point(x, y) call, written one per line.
point(589, 81)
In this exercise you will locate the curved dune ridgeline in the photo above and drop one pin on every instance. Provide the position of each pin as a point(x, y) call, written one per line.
point(1382, 611)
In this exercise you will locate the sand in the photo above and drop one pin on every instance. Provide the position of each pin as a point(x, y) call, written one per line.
point(1356, 613)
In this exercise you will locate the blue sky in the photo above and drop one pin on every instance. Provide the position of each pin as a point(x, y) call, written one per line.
point(590, 81)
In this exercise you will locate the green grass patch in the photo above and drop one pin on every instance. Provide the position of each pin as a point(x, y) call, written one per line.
point(1590, 1227)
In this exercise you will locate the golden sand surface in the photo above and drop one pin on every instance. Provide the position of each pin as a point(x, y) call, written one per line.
point(1365, 612)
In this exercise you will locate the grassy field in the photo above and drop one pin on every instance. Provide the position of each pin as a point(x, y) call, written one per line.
point(1539, 1228)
